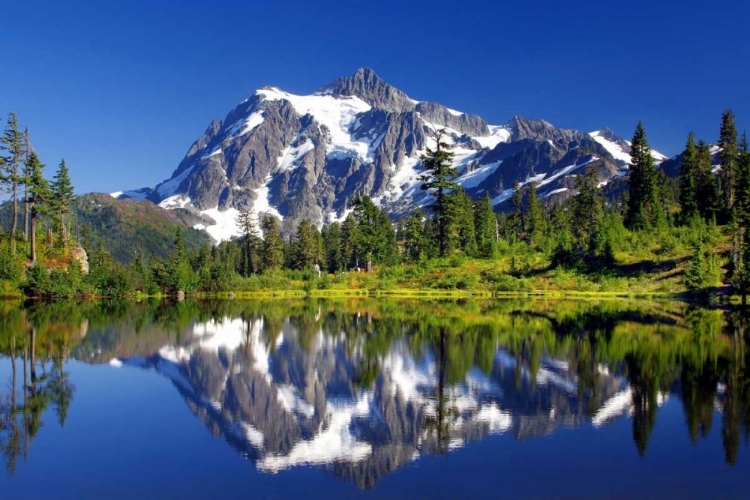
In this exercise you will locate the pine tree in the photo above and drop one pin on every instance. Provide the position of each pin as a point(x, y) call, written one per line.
point(306, 251)
point(246, 223)
point(643, 202)
point(439, 172)
point(26, 177)
point(12, 141)
point(534, 222)
point(460, 227)
point(62, 200)
point(741, 220)
point(728, 158)
point(334, 260)
point(415, 248)
point(588, 210)
point(707, 189)
point(40, 195)
point(689, 180)
point(272, 253)
point(485, 227)
point(516, 218)
point(349, 237)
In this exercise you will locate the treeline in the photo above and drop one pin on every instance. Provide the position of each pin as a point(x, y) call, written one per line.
point(589, 232)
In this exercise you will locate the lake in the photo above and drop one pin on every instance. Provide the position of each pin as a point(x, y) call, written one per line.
point(373, 399)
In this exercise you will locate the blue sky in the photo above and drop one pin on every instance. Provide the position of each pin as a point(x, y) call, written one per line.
point(121, 89)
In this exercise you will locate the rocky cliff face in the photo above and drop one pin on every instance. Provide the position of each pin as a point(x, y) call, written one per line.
point(298, 157)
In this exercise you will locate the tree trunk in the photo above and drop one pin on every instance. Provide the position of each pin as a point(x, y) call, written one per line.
point(32, 255)
point(26, 213)
point(14, 222)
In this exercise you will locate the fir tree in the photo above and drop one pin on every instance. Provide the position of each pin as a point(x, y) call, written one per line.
point(437, 178)
point(349, 237)
point(643, 202)
point(516, 218)
point(485, 227)
point(248, 229)
point(689, 180)
point(12, 141)
point(334, 260)
point(272, 253)
point(39, 197)
point(306, 246)
point(62, 200)
point(534, 221)
point(460, 228)
point(728, 158)
point(588, 210)
point(415, 248)
point(707, 189)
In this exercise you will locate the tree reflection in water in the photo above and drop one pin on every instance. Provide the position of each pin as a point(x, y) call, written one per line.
point(366, 386)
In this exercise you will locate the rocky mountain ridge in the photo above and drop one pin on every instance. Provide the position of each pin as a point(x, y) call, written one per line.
point(298, 157)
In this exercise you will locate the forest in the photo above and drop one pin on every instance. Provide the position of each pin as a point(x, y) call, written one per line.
point(648, 234)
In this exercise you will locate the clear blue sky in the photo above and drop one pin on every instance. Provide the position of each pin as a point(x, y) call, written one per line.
point(121, 89)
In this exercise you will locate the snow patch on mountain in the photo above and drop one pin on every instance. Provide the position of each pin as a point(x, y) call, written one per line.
point(337, 114)
point(225, 224)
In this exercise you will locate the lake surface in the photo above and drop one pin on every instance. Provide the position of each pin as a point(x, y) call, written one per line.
point(373, 399)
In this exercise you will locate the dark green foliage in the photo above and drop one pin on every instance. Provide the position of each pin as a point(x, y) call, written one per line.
point(62, 197)
point(485, 227)
point(415, 242)
point(13, 143)
point(272, 250)
point(334, 257)
point(307, 246)
point(460, 234)
point(644, 208)
point(728, 159)
point(707, 187)
point(376, 238)
point(437, 178)
point(588, 210)
point(689, 180)
point(535, 224)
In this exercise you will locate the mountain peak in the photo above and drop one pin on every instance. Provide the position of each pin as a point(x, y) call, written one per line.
point(369, 87)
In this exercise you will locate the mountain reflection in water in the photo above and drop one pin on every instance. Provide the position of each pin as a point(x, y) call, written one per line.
point(364, 387)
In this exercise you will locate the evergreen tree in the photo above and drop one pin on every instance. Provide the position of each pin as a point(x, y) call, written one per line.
point(12, 141)
point(728, 158)
point(349, 237)
point(534, 218)
point(250, 242)
point(306, 246)
point(62, 200)
point(376, 238)
point(272, 253)
point(415, 248)
point(40, 195)
point(516, 218)
point(689, 180)
point(588, 210)
point(460, 228)
point(334, 260)
point(707, 189)
point(439, 172)
point(485, 227)
point(643, 203)
point(741, 220)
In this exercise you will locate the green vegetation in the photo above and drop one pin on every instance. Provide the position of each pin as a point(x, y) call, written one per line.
point(661, 238)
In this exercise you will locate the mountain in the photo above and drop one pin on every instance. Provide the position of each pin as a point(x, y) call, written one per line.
point(125, 225)
point(298, 157)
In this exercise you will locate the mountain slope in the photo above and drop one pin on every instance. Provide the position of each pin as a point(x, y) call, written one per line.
point(297, 157)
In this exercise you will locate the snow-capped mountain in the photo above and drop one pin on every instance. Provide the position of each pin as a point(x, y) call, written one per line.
point(297, 157)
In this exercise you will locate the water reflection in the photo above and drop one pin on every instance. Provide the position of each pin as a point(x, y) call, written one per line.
point(364, 387)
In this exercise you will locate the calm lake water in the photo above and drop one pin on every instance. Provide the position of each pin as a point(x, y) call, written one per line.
point(373, 399)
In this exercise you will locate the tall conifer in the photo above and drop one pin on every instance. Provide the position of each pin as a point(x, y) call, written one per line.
point(689, 180)
point(439, 172)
